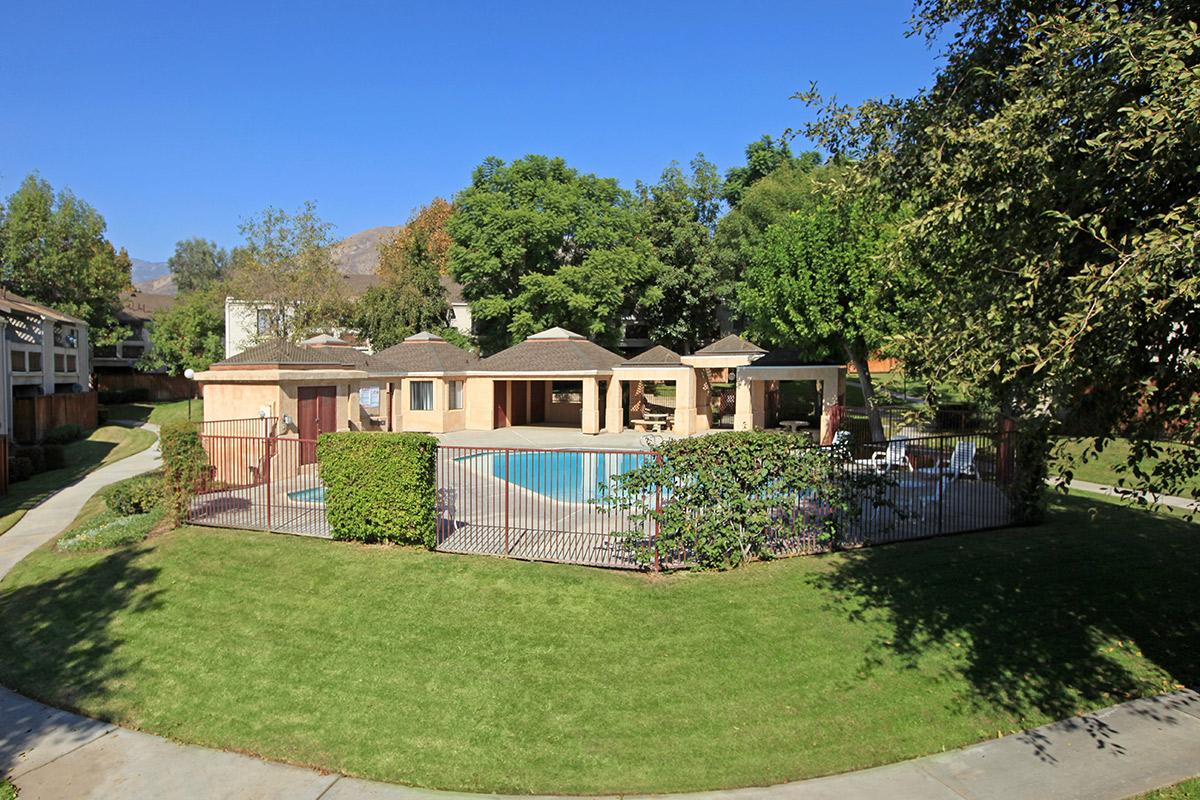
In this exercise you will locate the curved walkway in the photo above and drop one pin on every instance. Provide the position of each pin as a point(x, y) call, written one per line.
point(48, 753)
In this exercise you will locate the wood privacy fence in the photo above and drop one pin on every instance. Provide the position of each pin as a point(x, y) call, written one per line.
point(34, 417)
point(157, 387)
point(541, 505)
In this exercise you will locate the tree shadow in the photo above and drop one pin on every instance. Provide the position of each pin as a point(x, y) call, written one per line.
point(1050, 619)
point(57, 640)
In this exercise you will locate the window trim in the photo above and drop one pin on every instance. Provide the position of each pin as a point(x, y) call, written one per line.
point(420, 386)
point(454, 395)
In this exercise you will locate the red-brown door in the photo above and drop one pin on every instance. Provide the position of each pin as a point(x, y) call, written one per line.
point(537, 402)
point(500, 401)
point(516, 411)
point(316, 414)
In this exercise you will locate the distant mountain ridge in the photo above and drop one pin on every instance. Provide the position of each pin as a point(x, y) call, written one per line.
point(357, 254)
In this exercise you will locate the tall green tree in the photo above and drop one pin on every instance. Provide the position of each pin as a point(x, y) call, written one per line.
point(188, 335)
point(763, 157)
point(285, 265)
point(680, 213)
point(538, 244)
point(197, 264)
point(53, 250)
point(820, 281)
point(1054, 173)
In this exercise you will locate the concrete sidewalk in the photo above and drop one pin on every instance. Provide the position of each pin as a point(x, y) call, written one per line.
point(50, 754)
point(1112, 491)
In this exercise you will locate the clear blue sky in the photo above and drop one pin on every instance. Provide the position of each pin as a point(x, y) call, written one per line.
point(177, 120)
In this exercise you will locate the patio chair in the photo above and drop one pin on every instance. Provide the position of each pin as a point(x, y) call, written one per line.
point(961, 463)
point(446, 508)
point(894, 456)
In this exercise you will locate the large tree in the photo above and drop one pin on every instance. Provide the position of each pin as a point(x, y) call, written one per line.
point(818, 280)
point(680, 212)
point(537, 244)
point(763, 157)
point(53, 250)
point(1054, 173)
point(285, 265)
point(197, 264)
point(189, 334)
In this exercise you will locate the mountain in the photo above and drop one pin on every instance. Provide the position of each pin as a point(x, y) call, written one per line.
point(357, 254)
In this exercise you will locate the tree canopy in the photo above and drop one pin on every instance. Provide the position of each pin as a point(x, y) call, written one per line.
point(189, 334)
point(53, 250)
point(538, 244)
point(197, 264)
point(1053, 171)
point(285, 265)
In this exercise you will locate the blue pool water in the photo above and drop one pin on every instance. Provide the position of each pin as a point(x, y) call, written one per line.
point(563, 475)
point(314, 495)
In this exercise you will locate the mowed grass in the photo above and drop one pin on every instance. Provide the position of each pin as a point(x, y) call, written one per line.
point(102, 446)
point(490, 675)
point(1107, 468)
point(1188, 790)
point(158, 413)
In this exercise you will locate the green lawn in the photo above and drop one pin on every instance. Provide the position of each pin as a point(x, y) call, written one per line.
point(7, 792)
point(491, 675)
point(1103, 469)
point(1188, 790)
point(102, 446)
point(158, 413)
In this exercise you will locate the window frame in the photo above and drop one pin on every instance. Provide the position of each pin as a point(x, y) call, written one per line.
point(416, 388)
point(454, 395)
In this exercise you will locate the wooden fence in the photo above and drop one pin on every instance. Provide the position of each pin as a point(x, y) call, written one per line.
point(157, 387)
point(34, 417)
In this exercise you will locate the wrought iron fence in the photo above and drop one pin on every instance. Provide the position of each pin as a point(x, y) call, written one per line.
point(542, 504)
point(248, 426)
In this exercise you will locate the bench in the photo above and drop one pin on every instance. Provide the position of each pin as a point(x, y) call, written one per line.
point(643, 425)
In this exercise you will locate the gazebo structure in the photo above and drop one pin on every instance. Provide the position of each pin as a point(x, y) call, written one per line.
point(656, 365)
point(422, 384)
point(754, 380)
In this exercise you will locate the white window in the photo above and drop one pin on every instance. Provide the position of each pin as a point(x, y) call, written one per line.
point(456, 395)
point(420, 396)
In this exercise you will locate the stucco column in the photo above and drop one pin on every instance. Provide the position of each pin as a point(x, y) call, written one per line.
point(685, 402)
point(591, 405)
point(353, 412)
point(829, 399)
point(743, 412)
point(614, 412)
point(47, 356)
point(637, 399)
point(703, 400)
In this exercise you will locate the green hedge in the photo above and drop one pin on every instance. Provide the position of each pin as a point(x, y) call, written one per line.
point(138, 495)
point(185, 464)
point(379, 487)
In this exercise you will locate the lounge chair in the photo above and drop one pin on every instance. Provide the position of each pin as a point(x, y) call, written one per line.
point(894, 456)
point(961, 463)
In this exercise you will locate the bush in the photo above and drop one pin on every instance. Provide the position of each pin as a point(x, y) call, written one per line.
point(137, 495)
point(20, 468)
point(379, 487)
point(55, 456)
point(63, 434)
point(36, 455)
point(185, 465)
point(726, 497)
point(109, 530)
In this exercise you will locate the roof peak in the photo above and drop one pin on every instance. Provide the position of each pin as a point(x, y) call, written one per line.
point(555, 333)
point(730, 345)
point(424, 336)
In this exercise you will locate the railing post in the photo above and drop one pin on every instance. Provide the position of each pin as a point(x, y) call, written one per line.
point(657, 512)
point(267, 469)
point(507, 453)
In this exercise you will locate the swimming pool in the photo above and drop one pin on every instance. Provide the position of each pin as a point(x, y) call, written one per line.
point(561, 474)
point(314, 495)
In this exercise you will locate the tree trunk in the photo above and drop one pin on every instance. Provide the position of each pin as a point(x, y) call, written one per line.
point(858, 357)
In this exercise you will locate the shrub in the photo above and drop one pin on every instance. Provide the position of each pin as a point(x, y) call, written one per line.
point(185, 465)
point(379, 487)
point(55, 456)
point(63, 434)
point(36, 455)
point(725, 497)
point(137, 495)
point(110, 530)
point(20, 468)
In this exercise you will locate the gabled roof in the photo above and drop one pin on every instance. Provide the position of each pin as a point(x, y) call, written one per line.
point(278, 352)
point(325, 340)
point(14, 303)
point(657, 356)
point(141, 306)
point(553, 350)
point(454, 289)
point(731, 345)
point(423, 352)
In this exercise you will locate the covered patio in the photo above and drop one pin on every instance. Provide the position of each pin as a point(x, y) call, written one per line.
point(764, 375)
point(683, 410)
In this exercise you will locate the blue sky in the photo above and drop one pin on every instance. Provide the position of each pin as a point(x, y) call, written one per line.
point(179, 119)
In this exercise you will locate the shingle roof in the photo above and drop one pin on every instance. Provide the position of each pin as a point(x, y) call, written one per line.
point(141, 306)
point(657, 356)
point(731, 345)
point(424, 352)
point(554, 350)
point(284, 353)
point(791, 358)
point(454, 289)
point(10, 302)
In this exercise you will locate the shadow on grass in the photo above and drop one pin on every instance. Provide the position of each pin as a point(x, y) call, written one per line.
point(1049, 619)
point(134, 412)
point(82, 457)
point(57, 641)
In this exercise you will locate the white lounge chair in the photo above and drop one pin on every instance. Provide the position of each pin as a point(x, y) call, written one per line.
point(894, 456)
point(961, 463)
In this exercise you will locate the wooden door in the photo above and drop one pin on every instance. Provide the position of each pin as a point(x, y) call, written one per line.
point(316, 414)
point(516, 411)
point(500, 402)
point(537, 402)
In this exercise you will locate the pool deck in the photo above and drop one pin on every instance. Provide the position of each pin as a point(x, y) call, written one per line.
point(549, 437)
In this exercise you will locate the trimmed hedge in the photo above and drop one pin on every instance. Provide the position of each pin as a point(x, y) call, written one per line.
point(379, 487)
point(185, 465)
point(64, 434)
point(138, 495)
